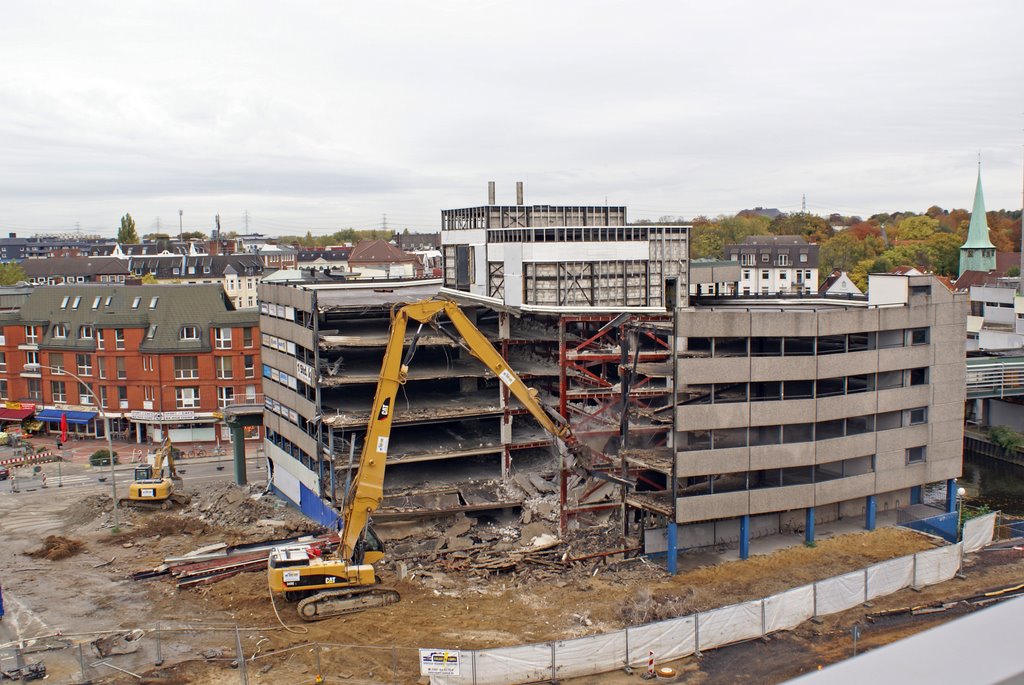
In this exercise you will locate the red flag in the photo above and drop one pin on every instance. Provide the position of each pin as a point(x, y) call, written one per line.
point(63, 427)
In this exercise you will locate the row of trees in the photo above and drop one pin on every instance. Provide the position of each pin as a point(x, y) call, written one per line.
point(929, 241)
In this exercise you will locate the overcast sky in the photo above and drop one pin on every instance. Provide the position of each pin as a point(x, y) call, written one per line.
point(326, 115)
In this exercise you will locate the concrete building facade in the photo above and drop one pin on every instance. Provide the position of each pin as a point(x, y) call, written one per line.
point(793, 413)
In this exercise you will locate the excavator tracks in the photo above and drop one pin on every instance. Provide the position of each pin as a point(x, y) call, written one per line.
point(333, 603)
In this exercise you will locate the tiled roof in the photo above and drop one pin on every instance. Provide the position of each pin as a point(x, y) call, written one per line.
point(379, 251)
point(74, 266)
point(168, 307)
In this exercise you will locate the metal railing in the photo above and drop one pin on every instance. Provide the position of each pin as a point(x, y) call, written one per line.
point(995, 377)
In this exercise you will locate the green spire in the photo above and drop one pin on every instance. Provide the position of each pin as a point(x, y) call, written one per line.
point(977, 234)
point(978, 253)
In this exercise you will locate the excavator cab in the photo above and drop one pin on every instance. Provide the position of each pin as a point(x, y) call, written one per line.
point(143, 472)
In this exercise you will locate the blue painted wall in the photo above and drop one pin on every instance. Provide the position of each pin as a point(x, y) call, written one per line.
point(943, 525)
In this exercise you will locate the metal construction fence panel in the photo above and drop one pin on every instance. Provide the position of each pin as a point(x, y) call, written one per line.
point(675, 638)
point(887, 577)
point(839, 593)
point(937, 565)
point(590, 655)
point(978, 532)
point(729, 624)
point(788, 609)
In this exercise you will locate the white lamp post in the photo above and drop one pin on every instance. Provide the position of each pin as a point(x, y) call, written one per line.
point(960, 492)
point(106, 427)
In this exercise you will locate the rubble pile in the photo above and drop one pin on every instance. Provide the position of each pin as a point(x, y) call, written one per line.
point(57, 547)
point(249, 513)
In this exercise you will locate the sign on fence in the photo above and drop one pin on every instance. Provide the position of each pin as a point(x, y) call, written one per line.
point(440, 662)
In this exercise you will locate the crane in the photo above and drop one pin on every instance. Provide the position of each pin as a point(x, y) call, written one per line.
point(344, 581)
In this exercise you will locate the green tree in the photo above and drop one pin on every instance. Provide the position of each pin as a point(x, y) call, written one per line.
point(844, 251)
point(915, 228)
point(126, 235)
point(11, 273)
point(149, 279)
point(811, 226)
point(193, 235)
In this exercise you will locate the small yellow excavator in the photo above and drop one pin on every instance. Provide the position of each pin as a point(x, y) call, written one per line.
point(327, 585)
point(150, 488)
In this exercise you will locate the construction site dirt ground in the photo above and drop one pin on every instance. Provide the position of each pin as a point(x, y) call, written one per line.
point(89, 590)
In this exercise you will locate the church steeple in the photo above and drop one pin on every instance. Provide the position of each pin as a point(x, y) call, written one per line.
point(978, 253)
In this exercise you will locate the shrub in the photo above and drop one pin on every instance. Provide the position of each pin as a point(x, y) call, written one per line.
point(1006, 438)
point(101, 458)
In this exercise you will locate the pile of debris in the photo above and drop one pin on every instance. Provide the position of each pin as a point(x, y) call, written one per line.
point(248, 512)
point(57, 547)
point(219, 561)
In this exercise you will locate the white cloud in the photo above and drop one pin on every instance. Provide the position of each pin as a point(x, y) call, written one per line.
point(326, 115)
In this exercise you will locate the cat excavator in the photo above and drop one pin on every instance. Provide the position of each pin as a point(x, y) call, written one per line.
point(149, 492)
point(343, 581)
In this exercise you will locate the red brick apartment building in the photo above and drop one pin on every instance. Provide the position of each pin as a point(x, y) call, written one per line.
point(158, 358)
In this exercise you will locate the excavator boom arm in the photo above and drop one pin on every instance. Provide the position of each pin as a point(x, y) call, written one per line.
point(367, 488)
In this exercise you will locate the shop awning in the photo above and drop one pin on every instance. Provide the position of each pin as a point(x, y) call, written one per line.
point(75, 417)
point(15, 414)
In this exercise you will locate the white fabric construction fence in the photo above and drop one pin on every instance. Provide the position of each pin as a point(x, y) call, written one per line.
point(680, 637)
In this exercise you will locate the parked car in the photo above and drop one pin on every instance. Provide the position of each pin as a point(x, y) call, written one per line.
point(5, 473)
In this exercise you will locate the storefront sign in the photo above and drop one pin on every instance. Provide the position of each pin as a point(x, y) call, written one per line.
point(163, 416)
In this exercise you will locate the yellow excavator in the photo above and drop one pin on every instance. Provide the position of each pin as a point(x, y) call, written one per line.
point(344, 581)
point(150, 489)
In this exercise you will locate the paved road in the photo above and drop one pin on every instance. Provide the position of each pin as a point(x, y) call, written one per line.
point(205, 470)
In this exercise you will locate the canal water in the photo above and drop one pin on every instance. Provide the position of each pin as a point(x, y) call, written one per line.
point(994, 483)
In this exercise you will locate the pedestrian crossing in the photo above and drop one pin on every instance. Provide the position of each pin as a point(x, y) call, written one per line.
point(65, 481)
point(39, 518)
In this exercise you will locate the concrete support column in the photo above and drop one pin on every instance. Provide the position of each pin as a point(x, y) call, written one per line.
point(951, 495)
point(673, 547)
point(745, 536)
point(238, 452)
point(869, 513)
point(809, 526)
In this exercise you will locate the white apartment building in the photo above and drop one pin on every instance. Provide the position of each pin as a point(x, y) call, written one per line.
point(771, 265)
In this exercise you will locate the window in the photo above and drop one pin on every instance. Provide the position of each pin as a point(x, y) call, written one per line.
point(151, 331)
point(119, 338)
point(31, 337)
point(186, 398)
point(57, 362)
point(748, 259)
point(85, 396)
point(96, 303)
point(919, 376)
point(84, 363)
point(765, 257)
point(225, 396)
point(222, 337)
point(3, 362)
point(35, 389)
point(917, 416)
point(250, 394)
point(64, 302)
point(147, 363)
point(783, 275)
point(103, 396)
point(916, 455)
point(803, 258)
point(59, 392)
point(247, 337)
point(764, 274)
point(189, 333)
point(250, 366)
point(76, 302)
point(784, 260)
point(149, 393)
point(3, 388)
point(186, 367)
point(85, 332)
point(136, 302)
point(153, 301)
point(224, 367)
point(99, 340)
point(60, 330)
point(121, 373)
point(122, 396)
point(918, 336)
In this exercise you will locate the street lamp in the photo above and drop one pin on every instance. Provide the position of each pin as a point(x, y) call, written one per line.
point(59, 371)
point(960, 492)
